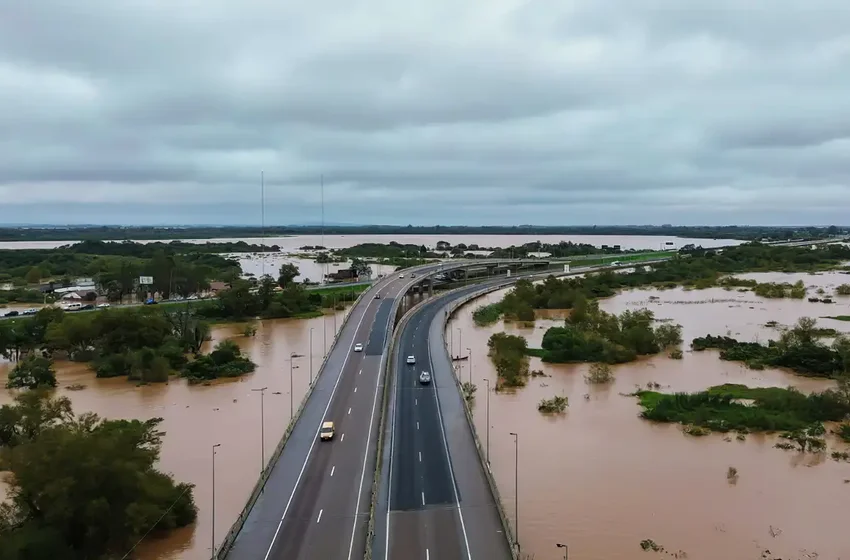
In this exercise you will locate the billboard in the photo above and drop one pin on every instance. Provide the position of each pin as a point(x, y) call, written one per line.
point(145, 280)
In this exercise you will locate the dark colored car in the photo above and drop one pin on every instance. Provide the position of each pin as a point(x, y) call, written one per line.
point(87, 307)
point(12, 314)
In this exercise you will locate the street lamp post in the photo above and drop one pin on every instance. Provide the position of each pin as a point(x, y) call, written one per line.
point(459, 339)
point(516, 489)
point(292, 367)
point(213, 497)
point(262, 392)
point(311, 356)
point(469, 353)
point(487, 381)
point(566, 550)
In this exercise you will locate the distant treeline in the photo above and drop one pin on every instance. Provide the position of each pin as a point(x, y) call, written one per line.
point(207, 232)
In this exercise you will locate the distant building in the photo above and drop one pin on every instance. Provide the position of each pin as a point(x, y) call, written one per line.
point(343, 275)
point(216, 287)
point(7, 286)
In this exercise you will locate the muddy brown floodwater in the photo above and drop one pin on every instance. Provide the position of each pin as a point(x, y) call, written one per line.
point(197, 417)
point(600, 479)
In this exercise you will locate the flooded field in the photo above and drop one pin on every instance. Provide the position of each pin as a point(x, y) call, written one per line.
point(197, 417)
point(602, 480)
point(293, 243)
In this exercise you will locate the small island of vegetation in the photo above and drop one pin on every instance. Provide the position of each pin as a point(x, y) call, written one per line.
point(798, 348)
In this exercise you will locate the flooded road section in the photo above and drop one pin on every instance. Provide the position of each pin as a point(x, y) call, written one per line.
point(601, 480)
point(197, 417)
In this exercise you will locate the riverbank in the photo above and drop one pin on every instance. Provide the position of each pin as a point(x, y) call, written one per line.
point(590, 476)
point(197, 416)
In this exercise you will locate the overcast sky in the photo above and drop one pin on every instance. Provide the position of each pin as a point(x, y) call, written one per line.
point(425, 111)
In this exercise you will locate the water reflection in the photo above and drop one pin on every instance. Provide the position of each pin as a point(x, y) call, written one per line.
point(196, 417)
point(602, 480)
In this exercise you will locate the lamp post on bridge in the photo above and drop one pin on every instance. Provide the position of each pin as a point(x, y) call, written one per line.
point(566, 550)
point(311, 356)
point(262, 392)
point(292, 367)
point(487, 381)
point(213, 497)
point(469, 353)
point(516, 490)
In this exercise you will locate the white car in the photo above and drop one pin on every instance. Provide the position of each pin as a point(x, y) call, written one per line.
point(358, 347)
point(102, 305)
point(401, 275)
point(425, 378)
point(411, 360)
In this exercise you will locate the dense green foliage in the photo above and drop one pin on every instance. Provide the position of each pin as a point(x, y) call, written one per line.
point(720, 409)
point(386, 251)
point(844, 432)
point(82, 488)
point(798, 348)
point(225, 361)
point(593, 335)
point(508, 353)
point(31, 373)
point(208, 232)
point(146, 344)
point(797, 290)
point(487, 314)
point(178, 268)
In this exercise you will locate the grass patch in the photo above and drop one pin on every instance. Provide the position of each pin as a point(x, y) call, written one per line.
point(535, 352)
point(838, 317)
point(737, 407)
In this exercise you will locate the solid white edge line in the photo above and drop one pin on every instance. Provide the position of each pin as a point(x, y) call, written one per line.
point(313, 444)
point(446, 446)
point(333, 469)
point(318, 519)
point(366, 454)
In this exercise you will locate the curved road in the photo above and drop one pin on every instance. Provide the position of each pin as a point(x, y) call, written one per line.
point(318, 507)
point(423, 513)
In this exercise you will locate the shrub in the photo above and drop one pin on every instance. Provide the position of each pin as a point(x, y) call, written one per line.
point(599, 374)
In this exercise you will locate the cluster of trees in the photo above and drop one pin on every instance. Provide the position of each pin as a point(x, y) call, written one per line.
point(694, 267)
point(778, 290)
point(721, 408)
point(593, 335)
point(510, 357)
point(798, 348)
point(203, 232)
point(82, 488)
point(117, 275)
point(147, 344)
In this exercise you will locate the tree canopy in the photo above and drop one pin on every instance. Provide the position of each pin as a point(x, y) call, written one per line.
point(82, 487)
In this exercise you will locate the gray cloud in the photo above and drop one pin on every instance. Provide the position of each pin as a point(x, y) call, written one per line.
point(590, 111)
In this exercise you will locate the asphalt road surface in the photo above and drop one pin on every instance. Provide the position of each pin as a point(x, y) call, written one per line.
point(432, 456)
point(316, 502)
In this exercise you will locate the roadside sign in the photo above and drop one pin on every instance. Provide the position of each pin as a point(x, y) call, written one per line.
point(146, 280)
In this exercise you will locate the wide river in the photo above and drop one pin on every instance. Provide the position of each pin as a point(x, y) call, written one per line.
point(600, 479)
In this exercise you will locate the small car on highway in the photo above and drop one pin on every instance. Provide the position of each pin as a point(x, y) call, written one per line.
point(377, 296)
point(401, 275)
point(411, 360)
point(327, 431)
point(358, 347)
point(425, 378)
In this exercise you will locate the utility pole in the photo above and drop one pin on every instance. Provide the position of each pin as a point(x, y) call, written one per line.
point(292, 367)
point(469, 353)
point(263, 220)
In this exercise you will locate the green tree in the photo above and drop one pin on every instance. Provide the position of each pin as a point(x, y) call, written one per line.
point(34, 275)
point(31, 373)
point(85, 488)
point(288, 273)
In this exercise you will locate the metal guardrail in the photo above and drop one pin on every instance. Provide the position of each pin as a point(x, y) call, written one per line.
point(230, 537)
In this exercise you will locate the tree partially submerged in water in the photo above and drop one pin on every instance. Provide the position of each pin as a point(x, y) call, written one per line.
point(593, 335)
point(82, 487)
point(509, 355)
point(798, 348)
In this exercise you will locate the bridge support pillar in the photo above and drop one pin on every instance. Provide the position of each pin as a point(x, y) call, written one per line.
point(430, 288)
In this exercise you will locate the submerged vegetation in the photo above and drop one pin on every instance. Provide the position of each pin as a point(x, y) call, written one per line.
point(508, 353)
point(593, 335)
point(798, 349)
point(599, 374)
point(555, 405)
point(740, 408)
point(82, 487)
